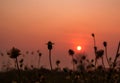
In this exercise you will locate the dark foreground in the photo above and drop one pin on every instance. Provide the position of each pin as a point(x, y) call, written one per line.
point(64, 76)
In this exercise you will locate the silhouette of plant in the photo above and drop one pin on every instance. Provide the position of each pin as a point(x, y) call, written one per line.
point(110, 60)
point(50, 46)
point(83, 57)
point(71, 53)
point(57, 63)
point(82, 61)
point(99, 54)
point(40, 54)
point(93, 35)
point(116, 57)
point(14, 53)
point(75, 61)
point(105, 45)
point(95, 47)
point(111, 72)
point(21, 63)
point(92, 60)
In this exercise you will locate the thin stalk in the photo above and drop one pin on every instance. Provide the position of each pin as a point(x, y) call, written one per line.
point(50, 59)
point(116, 56)
point(107, 56)
point(95, 62)
point(39, 62)
point(95, 49)
point(73, 64)
point(57, 66)
point(94, 41)
point(103, 62)
point(18, 70)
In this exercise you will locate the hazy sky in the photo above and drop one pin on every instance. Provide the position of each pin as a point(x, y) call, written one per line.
point(29, 24)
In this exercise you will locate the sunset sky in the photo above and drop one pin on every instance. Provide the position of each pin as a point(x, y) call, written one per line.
point(30, 24)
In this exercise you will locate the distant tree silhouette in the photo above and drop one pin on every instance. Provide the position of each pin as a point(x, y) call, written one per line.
point(50, 46)
point(71, 53)
point(14, 53)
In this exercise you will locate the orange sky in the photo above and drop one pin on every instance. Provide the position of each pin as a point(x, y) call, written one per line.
point(29, 24)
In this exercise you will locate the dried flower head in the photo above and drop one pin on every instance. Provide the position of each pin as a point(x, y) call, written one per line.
point(93, 35)
point(105, 43)
point(14, 52)
point(71, 52)
point(99, 53)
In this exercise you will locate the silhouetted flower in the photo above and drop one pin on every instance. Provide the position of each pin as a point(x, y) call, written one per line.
point(99, 53)
point(32, 66)
point(83, 57)
point(40, 54)
point(57, 62)
point(50, 45)
point(71, 52)
point(25, 68)
point(92, 65)
point(92, 60)
point(21, 65)
point(93, 35)
point(105, 43)
point(14, 53)
point(95, 48)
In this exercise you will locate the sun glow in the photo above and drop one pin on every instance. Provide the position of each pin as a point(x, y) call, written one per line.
point(79, 48)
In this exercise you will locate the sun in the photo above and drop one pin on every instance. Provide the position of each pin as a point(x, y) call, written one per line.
point(79, 48)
